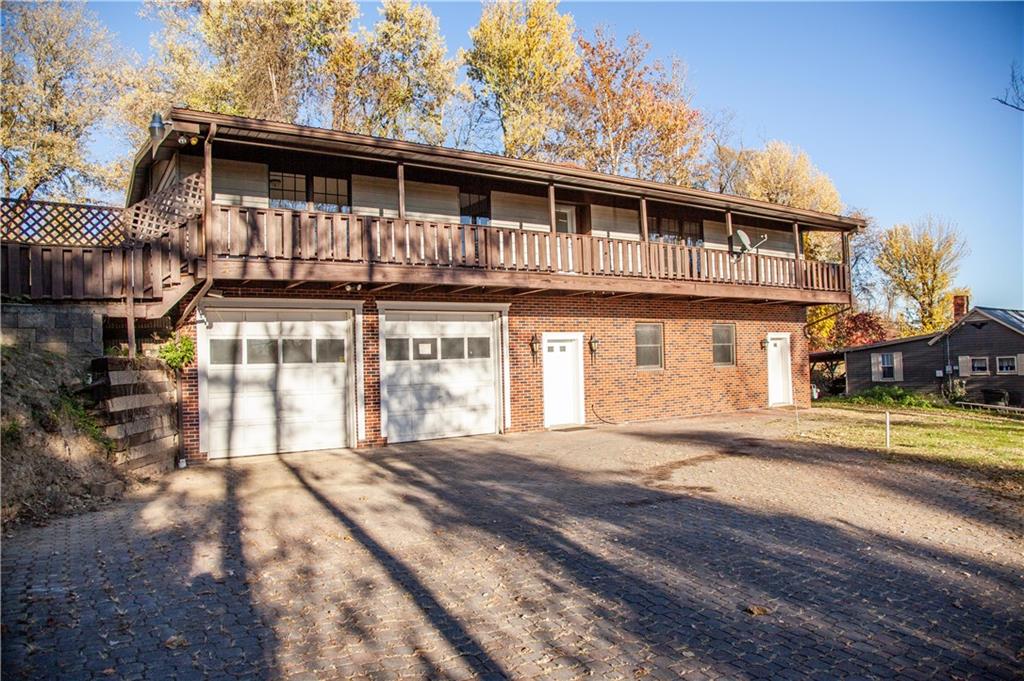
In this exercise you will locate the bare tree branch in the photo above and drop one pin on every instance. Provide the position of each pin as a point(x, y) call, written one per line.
point(1014, 95)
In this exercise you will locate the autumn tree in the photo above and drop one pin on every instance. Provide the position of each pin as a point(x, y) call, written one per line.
point(920, 262)
point(628, 115)
point(258, 59)
point(725, 158)
point(521, 57)
point(403, 81)
point(58, 74)
point(783, 175)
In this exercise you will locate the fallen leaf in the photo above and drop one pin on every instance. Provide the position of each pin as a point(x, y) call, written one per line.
point(757, 610)
point(176, 641)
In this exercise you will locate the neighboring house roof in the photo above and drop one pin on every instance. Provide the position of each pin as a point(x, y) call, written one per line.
point(825, 355)
point(1011, 319)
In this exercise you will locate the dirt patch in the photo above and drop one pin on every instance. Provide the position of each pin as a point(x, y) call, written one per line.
point(54, 458)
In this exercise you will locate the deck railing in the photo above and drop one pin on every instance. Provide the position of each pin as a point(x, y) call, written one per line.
point(271, 233)
point(41, 261)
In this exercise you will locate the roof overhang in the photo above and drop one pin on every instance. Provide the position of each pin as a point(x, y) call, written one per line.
point(320, 140)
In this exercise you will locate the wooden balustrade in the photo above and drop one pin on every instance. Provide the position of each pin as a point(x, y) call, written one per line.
point(102, 272)
point(340, 237)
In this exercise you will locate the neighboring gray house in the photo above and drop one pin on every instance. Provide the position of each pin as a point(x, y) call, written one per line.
point(984, 347)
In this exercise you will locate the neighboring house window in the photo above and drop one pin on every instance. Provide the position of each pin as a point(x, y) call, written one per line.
point(649, 346)
point(886, 366)
point(1006, 365)
point(723, 344)
point(288, 190)
point(979, 366)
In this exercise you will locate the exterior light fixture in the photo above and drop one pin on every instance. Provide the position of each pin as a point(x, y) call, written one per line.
point(182, 140)
point(534, 345)
point(156, 128)
point(764, 344)
point(594, 343)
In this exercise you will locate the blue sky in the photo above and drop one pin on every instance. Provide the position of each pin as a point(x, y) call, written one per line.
point(892, 100)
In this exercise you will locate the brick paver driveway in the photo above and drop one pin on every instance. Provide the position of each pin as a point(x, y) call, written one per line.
point(699, 548)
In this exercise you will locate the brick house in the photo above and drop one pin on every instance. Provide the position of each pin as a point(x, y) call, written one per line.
point(345, 290)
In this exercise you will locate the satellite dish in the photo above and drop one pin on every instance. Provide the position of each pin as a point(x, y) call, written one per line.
point(745, 245)
point(744, 240)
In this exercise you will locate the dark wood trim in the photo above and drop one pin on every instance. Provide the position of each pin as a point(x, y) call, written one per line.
point(470, 278)
point(797, 248)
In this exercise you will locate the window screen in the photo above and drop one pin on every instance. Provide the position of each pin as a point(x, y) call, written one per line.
point(723, 343)
point(649, 346)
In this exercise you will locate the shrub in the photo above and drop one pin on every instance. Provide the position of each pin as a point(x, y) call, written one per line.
point(83, 421)
point(892, 396)
point(178, 352)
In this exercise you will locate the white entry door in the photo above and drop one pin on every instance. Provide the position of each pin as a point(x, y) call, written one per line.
point(275, 381)
point(563, 379)
point(780, 371)
point(439, 374)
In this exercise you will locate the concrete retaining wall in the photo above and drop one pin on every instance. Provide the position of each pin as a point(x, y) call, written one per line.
point(72, 330)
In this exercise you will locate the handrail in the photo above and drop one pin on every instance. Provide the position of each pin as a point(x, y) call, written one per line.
point(278, 233)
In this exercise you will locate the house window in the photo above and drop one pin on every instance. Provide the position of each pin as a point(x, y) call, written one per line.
point(979, 366)
point(888, 362)
point(330, 350)
point(674, 231)
point(474, 209)
point(723, 344)
point(330, 194)
point(288, 190)
point(1006, 365)
point(650, 353)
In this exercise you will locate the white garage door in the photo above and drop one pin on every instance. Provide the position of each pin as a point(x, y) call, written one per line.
point(276, 381)
point(439, 375)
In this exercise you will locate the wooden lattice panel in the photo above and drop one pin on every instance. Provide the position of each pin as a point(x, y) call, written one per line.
point(155, 215)
point(65, 224)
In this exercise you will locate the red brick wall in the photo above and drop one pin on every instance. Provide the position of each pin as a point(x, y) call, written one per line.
point(615, 389)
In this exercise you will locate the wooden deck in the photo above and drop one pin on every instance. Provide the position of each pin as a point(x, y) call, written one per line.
point(259, 244)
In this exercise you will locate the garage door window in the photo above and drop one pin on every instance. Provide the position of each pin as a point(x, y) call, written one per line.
point(424, 348)
point(396, 349)
point(297, 350)
point(453, 348)
point(478, 348)
point(330, 350)
point(261, 351)
point(225, 351)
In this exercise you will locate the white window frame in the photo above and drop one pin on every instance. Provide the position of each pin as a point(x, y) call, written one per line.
point(986, 372)
point(882, 366)
point(1012, 372)
point(660, 366)
point(732, 344)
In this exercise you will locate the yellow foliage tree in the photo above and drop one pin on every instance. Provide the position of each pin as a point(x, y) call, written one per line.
point(58, 71)
point(403, 80)
point(920, 262)
point(522, 55)
point(627, 115)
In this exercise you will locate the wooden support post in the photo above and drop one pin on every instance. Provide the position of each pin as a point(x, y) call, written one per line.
point(846, 261)
point(728, 229)
point(798, 255)
point(551, 205)
point(129, 274)
point(401, 191)
point(645, 236)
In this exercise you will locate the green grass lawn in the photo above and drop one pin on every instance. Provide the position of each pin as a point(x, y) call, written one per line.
point(983, 444)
